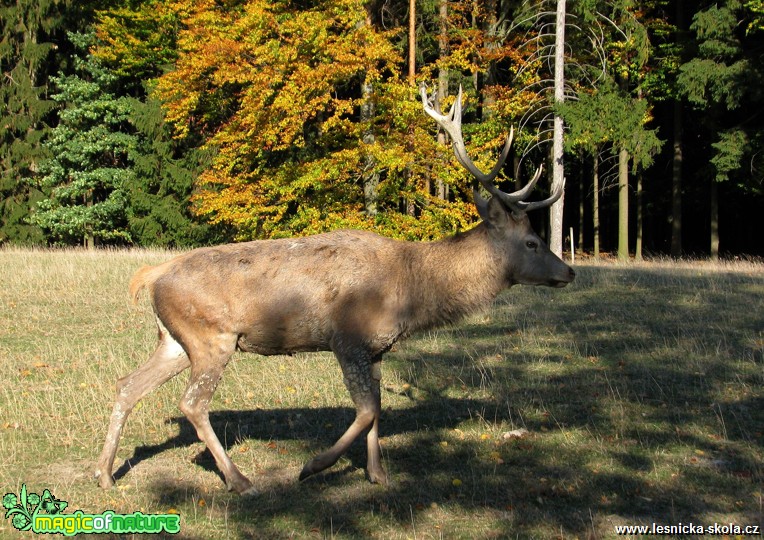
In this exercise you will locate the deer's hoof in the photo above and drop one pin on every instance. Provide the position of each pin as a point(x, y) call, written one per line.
point(250, 492)
point(242, 486)
point(378, 477)
point(305, 473)
point(104, 480)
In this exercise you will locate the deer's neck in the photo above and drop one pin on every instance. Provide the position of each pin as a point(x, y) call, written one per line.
point(453, 278)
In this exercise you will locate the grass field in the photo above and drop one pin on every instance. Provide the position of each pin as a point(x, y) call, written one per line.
point(633, 396)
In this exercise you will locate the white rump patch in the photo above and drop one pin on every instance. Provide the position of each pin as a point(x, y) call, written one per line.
point(170, 347)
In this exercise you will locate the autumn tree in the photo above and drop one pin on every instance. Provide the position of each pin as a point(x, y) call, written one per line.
point(279, 92)
point(137, 40)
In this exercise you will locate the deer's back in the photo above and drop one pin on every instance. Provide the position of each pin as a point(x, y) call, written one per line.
point(288, 295)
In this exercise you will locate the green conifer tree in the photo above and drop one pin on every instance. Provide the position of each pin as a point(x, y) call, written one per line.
point(160, 189)
point(90, 164)
point(25, 47)
point(724, 79)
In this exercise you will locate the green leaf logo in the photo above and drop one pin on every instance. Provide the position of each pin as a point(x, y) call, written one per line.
point(22, 509)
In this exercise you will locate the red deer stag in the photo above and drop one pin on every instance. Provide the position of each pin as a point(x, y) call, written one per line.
point(350, 292)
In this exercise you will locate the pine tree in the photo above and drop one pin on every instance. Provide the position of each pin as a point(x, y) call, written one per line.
point(33, 48)
point(163, 174)
point(25, 48)
point(723, 80)
point(89, 168)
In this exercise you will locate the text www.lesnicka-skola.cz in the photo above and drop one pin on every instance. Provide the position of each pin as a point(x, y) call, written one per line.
point(721, 529)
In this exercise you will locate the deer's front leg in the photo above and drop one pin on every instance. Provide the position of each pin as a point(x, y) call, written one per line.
point(361, 371)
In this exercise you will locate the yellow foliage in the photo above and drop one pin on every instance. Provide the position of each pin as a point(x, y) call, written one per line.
point(276, 92)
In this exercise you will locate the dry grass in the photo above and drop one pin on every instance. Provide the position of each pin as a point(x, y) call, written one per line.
point(640, 388)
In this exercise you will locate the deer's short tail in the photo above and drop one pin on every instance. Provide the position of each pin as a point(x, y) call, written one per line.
point(144, 277)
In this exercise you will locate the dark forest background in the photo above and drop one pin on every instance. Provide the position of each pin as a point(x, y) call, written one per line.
point(182, 123)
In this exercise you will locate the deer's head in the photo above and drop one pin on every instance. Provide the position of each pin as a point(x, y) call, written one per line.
point(525, 256)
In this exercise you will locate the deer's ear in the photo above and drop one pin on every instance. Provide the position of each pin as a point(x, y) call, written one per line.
point(492, 211)
point(481, 204)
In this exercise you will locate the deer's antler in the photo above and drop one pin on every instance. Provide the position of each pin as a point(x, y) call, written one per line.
point(452, 124)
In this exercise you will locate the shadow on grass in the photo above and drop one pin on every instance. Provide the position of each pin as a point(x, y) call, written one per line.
point(542, 485)
point(620, 380)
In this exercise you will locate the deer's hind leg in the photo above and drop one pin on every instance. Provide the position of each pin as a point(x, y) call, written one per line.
point(361, 371)
point(209, 358)
point(168, 360)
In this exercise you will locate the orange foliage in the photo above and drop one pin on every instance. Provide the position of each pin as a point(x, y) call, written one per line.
point(275, 90)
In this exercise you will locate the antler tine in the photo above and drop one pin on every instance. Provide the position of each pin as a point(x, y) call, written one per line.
point(536, 205)
point(452, 123)
point(522, 193)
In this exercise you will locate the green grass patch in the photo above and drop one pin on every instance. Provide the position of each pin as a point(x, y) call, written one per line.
point(632, 396)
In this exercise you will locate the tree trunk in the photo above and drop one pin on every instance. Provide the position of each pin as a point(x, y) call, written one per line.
point(489, 27)
point(714, 220)
point(409, 202)
point(596, 203)
point(581, 206)
point(89, 236)
point(370, 176)
point(440, 186)
point(640, 217)
point(678, 159)
point(412, 41)
point(558, 171)
point(676, 184)
point(623, 205)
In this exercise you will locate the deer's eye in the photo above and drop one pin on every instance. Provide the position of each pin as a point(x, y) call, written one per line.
point(531, 244)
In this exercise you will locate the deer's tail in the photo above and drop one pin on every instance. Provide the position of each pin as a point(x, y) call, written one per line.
point(144, 277)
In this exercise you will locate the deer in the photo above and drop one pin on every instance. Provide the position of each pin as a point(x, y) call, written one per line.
point(351, 292)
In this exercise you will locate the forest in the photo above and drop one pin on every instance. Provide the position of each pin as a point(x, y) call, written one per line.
point(180, 123)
